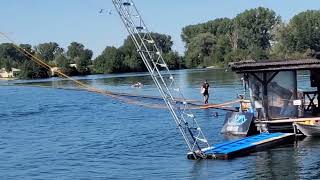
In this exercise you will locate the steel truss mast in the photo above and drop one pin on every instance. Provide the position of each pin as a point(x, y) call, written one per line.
point(162, 77)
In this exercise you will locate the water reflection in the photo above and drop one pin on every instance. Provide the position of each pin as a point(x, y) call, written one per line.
point(309, 161)
point(199, 170)
point(215, 77)
point(188, 80)
point(136, 136)
point(125, 81)
point(277, 163)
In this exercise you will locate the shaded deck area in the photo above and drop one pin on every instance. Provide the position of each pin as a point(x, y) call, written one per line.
point(275, 94)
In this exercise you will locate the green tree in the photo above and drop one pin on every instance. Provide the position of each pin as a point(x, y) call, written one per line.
point(305, 29)
point(99, 64)
point(114, 60)
point(74, 50)
point(217, 27)
point(11, 57)
point(216, 42)
point(80, 56)
point(200, 49)
point(189, 32)
point(163, 42)
point(83, 61)
point(300, 38)
point(62, 61)
point(131, 60)
point(7, 64)
point(173, 60)
point(208, 43)
point(31, 70)
point(255, 27)
point(48, 51)
point(110, 61)
point(222, 48)
point(237, 55)
point(127, 59)
point(64, 65)
point(10, 54)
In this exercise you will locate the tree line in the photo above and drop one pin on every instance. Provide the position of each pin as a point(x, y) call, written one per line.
point(126, 58)
point(258, 34)
point(75, 61)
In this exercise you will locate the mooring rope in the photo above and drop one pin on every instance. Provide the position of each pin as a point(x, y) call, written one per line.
point(119, 96)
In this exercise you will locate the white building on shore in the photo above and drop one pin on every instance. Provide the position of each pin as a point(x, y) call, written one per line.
point(11, 74)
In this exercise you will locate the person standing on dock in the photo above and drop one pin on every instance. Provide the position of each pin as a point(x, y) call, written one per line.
point(205, 91)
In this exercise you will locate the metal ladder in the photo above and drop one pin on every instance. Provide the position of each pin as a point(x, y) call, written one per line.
point(163, 79)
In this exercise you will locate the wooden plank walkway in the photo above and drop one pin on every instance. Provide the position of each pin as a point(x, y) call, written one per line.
point(290, 120)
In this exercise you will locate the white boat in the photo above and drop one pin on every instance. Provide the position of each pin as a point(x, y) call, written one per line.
point(309, 127)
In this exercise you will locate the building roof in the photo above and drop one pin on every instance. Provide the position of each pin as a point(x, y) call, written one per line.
point(284, 65)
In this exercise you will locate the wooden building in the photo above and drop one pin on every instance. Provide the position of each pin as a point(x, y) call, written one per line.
point(274, 95)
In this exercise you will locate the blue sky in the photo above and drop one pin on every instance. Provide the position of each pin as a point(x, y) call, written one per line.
point(64, 21)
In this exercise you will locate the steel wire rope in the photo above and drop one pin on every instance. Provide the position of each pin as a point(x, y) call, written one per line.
point(83, 85)
point(119, 96)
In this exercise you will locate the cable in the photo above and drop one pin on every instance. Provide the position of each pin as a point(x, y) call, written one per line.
point(119, 96)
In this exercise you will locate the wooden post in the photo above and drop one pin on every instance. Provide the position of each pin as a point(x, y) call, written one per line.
point(295, 91)
point(265, 95)
point(318, 91)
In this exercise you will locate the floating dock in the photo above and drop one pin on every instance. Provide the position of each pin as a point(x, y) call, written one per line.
point(246, 145)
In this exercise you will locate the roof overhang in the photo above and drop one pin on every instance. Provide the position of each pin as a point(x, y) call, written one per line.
point(271, 66)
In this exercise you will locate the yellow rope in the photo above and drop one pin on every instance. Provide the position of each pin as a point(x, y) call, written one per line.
point(218, 105)
point(104, 92)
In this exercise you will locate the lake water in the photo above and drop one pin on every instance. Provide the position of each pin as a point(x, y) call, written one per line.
point(49, 133)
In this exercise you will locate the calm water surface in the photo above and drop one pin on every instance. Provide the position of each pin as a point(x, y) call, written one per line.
point(49, 133)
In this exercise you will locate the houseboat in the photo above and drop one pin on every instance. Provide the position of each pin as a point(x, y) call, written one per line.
point(276, 103)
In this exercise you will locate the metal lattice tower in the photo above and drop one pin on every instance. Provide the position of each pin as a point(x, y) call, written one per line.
point(163, 79)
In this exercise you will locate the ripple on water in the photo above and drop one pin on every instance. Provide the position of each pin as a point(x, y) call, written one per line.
point(60, 134)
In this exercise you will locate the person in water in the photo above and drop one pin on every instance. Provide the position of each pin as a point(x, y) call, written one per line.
point(138, 85)
point(205, 91)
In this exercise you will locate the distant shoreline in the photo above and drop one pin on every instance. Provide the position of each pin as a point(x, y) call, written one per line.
point(204, 68)
point(214, 67)
point(8, 79)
